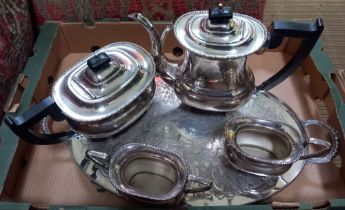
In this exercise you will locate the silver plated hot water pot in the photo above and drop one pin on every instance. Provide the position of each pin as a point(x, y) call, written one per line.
point(214, 75)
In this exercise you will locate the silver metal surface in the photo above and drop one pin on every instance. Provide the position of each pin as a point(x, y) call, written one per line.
point(166, 69)
point(214, 85)
point(202, 184)
point(151, 175)
point(198, 137)
point(280, 140)
point(100, 104)
point(262, 147)
point(209, 82)
point(242, 36)
point(330, 148)
point(265, 147)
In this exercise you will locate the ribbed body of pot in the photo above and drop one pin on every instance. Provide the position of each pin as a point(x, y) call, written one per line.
point(213, 75)
point(214, 85)
point(115, 123)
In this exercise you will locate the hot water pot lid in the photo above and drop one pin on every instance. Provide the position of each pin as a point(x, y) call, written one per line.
point(219, 33)
point(105, 82)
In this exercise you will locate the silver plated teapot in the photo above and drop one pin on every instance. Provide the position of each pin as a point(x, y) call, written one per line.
point(99, 96)
point(214, 75)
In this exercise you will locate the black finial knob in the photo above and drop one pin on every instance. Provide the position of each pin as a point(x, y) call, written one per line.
point(220, 14)
point(98, 62)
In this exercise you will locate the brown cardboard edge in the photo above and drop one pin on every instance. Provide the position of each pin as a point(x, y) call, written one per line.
point(326, 70)
point(78, 41)
point(8, 140)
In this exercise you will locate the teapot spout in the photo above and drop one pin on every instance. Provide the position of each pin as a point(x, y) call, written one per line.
point(154, 34)
point(165, 69)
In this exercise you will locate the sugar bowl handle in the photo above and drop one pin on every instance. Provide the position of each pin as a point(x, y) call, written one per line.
point(330, 147)
point(205, 184)
point(99, 158)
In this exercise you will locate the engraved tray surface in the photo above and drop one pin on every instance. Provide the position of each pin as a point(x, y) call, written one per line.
point(197, 136)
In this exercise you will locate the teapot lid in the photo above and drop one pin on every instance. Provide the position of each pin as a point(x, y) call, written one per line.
point(219, 33)
point(105, 82)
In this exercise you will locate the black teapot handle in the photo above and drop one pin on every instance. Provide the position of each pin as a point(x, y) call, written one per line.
point(21, 124)
point(310, 32)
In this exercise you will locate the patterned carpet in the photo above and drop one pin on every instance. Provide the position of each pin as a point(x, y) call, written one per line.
point(90, 10)
point(16, 39)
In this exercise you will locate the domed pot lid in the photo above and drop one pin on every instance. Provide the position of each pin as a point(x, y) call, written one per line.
point(219, 33)
point(105, 82)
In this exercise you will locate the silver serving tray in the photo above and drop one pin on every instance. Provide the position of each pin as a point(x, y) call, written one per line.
point(198, 137)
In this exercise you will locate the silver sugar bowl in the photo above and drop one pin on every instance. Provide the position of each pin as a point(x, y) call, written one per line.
point(150, 175)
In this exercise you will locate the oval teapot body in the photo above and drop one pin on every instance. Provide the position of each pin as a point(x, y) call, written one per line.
point(214, 75)
point(214, 85)
point(209, 84)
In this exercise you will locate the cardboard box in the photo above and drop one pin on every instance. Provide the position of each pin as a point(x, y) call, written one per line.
point(46, 177)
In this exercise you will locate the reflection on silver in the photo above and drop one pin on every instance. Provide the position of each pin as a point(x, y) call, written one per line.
point(242, 36)
point(214, 75)
point(198, 137)
point(266, 147)
point(262, 147)
point(152, 175)
point(102, 103)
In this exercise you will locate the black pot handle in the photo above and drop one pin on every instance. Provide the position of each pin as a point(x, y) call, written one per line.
point(21, 124)
point(310, 32)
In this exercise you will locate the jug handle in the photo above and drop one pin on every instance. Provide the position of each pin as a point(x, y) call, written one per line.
point(330, 147)
point(21, 124)
point(309, 32)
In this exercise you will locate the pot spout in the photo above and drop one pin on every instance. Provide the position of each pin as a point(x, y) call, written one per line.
point(154, 34)
point(164, 68)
